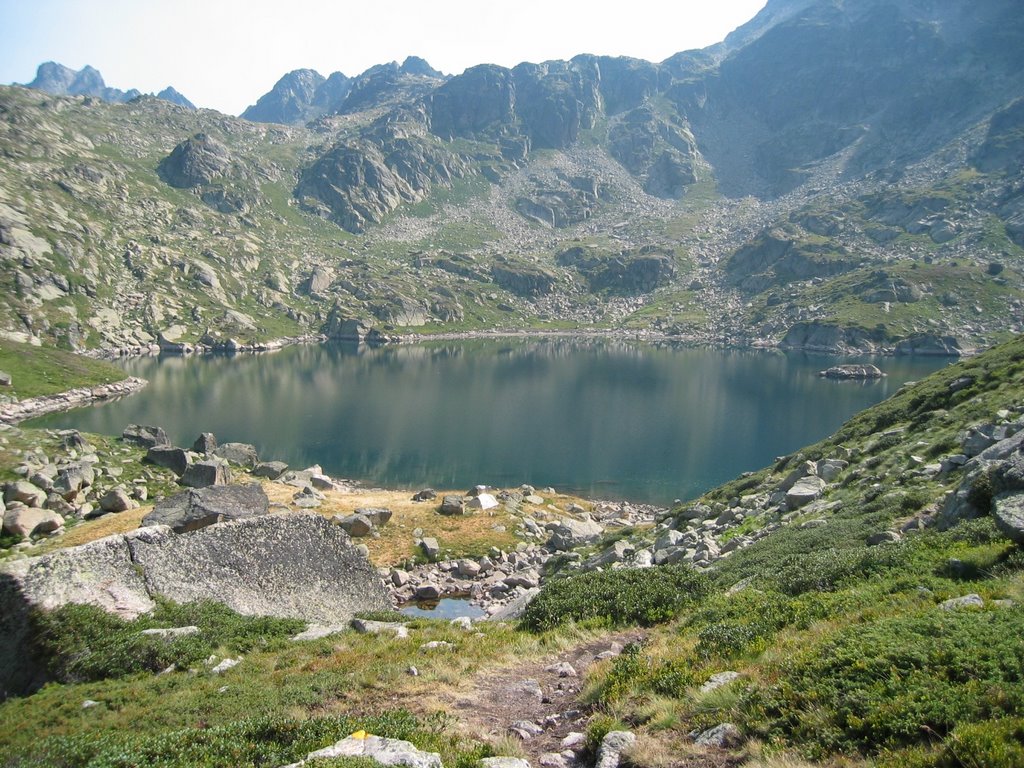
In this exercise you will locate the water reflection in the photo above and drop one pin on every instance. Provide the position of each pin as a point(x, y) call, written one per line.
point(606, 418)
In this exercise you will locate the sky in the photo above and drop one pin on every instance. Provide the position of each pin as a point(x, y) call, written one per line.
point(225, 54)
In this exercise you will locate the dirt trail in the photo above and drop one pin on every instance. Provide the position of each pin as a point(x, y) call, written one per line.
point(545, 692)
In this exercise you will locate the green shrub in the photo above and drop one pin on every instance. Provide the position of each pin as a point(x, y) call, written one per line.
point(80, 643)
point(265, 741)
point(896, 682)
point(643, 596)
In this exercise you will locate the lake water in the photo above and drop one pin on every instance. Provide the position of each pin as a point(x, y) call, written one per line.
point(602, 418)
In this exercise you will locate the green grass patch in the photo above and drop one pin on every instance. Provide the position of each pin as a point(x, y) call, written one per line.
point(39, 371)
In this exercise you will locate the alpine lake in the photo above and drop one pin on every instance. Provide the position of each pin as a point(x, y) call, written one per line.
point(601, 418)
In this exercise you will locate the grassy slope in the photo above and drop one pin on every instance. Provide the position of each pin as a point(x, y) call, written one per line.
point(44, 371)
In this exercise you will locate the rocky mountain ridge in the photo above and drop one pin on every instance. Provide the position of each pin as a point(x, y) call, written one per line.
point(60, 80)
point(835, 175)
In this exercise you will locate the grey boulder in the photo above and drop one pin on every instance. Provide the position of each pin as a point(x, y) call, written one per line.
point(203, 474)
point(199, 508)
point(243, 454)
point(144, 436)
point(1008, 510)
point(30, 521)
point(569, 534)
point(169, 457)
point(271, 470)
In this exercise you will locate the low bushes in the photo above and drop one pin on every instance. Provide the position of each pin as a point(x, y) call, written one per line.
point(643, 597)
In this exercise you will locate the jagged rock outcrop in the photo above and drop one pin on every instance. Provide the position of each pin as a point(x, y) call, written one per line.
point(817, 336)
point(778, 257)
point(299, 96)
point(63, 81)
point(295, 565)
point(626, 273)
point(662, 155)
point(523, 278)
point(358, 182)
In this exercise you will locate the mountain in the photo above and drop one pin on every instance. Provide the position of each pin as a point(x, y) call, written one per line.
point(304, 94)
point(836, 175)
point(63, 81)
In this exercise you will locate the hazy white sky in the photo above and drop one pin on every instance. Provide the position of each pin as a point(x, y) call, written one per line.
point(225, 54)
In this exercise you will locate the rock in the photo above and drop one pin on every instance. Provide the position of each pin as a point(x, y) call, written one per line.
point(378, 516)
point(804, 491)
point(205, 443)
point(198, 160)
point(1007, 509)
point(291, 565)
point(504, 762)
point(967, 601)
point(225, 665)
point(931, 345)
point(25, 493)
point(718, 680)
point(435, 645)
point(381, 750)
point(722, 736)
point(144, 436)
point(243, 454)
point(30, 521)
point(203, 474)
point(428, 592)
point(5, 379)
point(468, 569)
point(430, 548)
point(483, 501)
point(851, 371)
point(168, 457)
point(367, 627)
point(569, 534)
point(355, 525)
point(563, 669)
point(452, 505)
point(514, 609)
point(883, 537)
point(117, 500)
point(271, 470)
point(170, 633)
point(73, 478)
point(525, 729)
point(614, 743)
point(426, 494)
point(319, 631)
point(199, 508)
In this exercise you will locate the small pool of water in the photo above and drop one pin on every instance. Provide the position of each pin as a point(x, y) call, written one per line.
point(445, 608)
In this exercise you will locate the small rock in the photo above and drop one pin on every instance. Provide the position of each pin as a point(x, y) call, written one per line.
point(967, 601)
point(170, 633)
point(144, 436)
point(435, 645)
point(718, 680)
point(271, 470)
point(452, 505)
point(225, 665)
point(430, 548)
point(116, 500)
point(426, 494)
point(722, 736)
point(89, 704)
point(612, 746)
point(205, 443)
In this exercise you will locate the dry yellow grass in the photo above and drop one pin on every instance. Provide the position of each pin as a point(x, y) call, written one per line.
point(462, 535)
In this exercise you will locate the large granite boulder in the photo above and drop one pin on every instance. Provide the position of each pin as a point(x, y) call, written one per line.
point(200, 507)
point(23, 521)
point(167, 456)
point(144, 436)
point(569, 534)
point(243, 454)
point(292, 565)
point(203, 474)
point(1008, 511)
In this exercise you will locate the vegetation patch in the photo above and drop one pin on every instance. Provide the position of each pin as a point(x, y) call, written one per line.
point(37, 371)
point(616, 598)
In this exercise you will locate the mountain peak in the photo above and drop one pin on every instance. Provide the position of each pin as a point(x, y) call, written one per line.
point(60, 80)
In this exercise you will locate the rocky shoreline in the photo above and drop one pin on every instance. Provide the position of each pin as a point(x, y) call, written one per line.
point(29, 408)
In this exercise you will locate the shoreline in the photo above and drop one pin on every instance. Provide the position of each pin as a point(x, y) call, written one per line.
point(30, 408)
point(231, 347)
